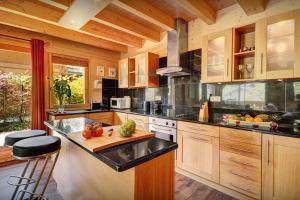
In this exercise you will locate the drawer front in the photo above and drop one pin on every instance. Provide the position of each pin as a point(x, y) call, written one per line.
point(139, 118)
point(198, 128)
point(242, 173)
point(238, 161)
point(241, 185)
point(248, 150)
point(249, 137)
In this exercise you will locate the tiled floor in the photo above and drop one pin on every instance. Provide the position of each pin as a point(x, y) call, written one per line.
point(186, 188)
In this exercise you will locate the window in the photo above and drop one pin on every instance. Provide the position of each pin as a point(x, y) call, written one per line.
point(76, 70)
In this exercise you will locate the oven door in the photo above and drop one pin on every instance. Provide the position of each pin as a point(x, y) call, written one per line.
point(164, 133)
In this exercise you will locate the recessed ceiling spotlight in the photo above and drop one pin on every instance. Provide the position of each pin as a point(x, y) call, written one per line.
point(280, 80)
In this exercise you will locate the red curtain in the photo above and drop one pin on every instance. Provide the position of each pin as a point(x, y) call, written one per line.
point(38, 84)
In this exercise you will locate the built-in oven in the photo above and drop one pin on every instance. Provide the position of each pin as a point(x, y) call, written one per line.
point(165, 129)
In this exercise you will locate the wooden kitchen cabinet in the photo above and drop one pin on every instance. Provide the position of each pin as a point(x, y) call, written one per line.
point(278, 46)
point(142, 122)
point(124, 65)
point(120, 118)
point(217, 57)
point(240, 161)
point(281, 168)
point(103, 117)
point(146, 65)
point(198, 153)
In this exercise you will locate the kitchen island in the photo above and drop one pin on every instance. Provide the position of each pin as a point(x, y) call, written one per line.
point(143, 169)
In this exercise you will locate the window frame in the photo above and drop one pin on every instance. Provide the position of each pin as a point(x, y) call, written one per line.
point(76, 61)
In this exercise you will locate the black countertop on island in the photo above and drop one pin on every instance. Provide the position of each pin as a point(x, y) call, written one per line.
point(283, 129)
point(121, 157)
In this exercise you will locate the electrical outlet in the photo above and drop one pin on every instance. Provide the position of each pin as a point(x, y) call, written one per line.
point(215, 98)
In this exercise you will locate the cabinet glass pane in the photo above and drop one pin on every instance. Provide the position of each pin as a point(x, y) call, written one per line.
point(123, 74)
point(215, 57)
point(141, 70)
point(280, 45)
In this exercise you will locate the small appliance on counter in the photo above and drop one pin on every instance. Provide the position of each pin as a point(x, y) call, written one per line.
point(155, 107)
point(120, 103)
point(203, 112)
point(146, 106)
point(95, 106)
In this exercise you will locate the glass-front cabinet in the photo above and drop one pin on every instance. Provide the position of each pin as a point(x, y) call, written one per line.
point(141, 67)
point(217, 57)
point(278, 48)
point(123, 73)
point(139, 71)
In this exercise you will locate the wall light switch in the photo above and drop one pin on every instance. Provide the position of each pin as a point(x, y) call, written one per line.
point(215, 98)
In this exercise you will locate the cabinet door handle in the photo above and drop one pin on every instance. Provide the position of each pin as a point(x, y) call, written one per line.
point(238, 149)
point(227, 66)
point(196, 138)
point(268, 152)
point(242, 176)
point(246, 190)
point(261, 62)
point(241, 163)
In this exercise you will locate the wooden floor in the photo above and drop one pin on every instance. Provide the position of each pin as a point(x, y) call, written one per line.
point(186, 188)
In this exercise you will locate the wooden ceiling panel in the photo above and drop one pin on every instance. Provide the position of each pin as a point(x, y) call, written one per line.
point(34, 8)
point(253, 7)
point(17, 20)
point(173, 8)
point(122, 20)
point(64, 2)
point(148, 12)
point(221, 4)
point(113, 34)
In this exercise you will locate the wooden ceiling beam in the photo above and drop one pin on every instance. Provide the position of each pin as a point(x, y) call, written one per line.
point(148, 12)
point(200, 8)
point(253, 7)
point(53, 13)
point(25, 22)
point(110, 17)
point(113, 34)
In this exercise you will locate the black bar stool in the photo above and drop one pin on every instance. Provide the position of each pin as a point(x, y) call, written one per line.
point(10, 140)
point(37, 148)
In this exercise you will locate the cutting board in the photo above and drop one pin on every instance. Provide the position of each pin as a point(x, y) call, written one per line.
point(99, 143)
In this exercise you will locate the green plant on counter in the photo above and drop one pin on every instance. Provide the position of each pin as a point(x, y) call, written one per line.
point(127, 129)
point(61, 88)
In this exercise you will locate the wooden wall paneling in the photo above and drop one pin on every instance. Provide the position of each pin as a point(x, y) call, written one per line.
point(297, 46)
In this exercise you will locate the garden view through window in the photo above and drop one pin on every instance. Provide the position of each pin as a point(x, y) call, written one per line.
point(15, 91)
point(75, 73)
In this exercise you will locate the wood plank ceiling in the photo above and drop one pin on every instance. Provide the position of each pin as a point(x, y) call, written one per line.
point(118, 24)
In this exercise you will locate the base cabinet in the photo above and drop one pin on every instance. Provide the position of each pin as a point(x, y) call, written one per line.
point(103, 117)
point(281, 168)
point(198, 153)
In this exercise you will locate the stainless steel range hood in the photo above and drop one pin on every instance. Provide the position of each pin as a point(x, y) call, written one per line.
point(177, 44)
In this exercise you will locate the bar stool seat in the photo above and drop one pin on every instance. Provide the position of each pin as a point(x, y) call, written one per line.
point(12, 138)
point(36, 146)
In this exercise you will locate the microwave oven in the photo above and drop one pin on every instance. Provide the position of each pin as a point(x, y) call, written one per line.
point(120, 103)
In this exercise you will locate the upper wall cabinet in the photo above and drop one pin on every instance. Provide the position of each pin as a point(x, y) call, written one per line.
point(139, 71)
point(146, 65)
point(278, 46)
point(123, 73)
point(217, 57)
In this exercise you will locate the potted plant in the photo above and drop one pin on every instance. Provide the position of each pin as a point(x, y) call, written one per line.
point(61, 89)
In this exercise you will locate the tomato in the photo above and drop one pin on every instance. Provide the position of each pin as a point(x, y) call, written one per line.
point(87, 133)
point(98, 132)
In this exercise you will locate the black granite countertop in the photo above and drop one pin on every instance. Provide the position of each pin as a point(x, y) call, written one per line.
point(283, 129)
point(121, 157)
